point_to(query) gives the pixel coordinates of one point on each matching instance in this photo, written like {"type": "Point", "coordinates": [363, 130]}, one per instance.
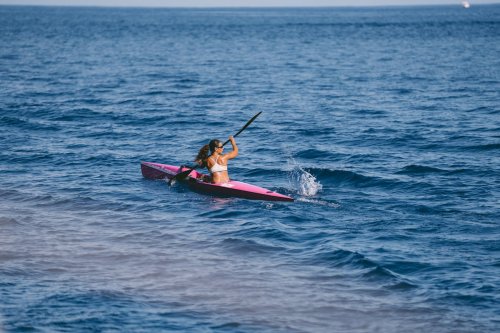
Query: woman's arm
{"type": "Point", "coordinates": [234, 153]}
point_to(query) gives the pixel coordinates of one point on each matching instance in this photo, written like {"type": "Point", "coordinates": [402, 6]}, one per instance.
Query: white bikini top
{"type": "Point", "coordinates": [218, 167]}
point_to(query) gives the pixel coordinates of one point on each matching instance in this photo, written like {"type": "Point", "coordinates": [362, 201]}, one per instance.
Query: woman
{"type": "Point", "coordinates": [216, 162]}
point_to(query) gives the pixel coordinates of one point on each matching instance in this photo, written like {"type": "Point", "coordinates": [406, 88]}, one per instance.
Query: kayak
{"type": "Point", "coordinates": [196, 182]}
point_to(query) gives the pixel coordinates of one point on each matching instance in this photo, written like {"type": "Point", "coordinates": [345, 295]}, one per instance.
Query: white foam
{"type": "Point", "coordinates": [319, 202]}
{"type": "Point", "coordinates": [303, 182]}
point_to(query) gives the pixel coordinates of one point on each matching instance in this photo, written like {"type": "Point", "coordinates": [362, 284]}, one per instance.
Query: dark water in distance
{"type": "Point", "coordinates": [383, 123]}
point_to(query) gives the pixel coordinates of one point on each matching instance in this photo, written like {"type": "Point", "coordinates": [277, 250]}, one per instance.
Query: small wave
{"type": "Point", "coordinates": [78, 114]}
{"type": "Point", "coordinates": [313, 154]}
{"type": "Point", "coordinates": [11, 194]}
{"type": "Point", "coordinates": [403, 91]}
{"type": "Point", "coordinates": [341, 176]}
{"type": "Point", "coordinates": [248, 246]}
{"type": "Point", "coordinates": [340, 258]}
{"type": "Point", "coordinates": [155, 93]}
{"type": "Point", "coordinates": [271, 234]}
{"type": "Point", "coordinates": [257, 172]}
{"type": "Point", "coordinates": [363, 267]}
{"type": "Point", "coordinates": [419, 169]}
{"type": "Point", "coordinates": [402, 286]}
{"type": "Point", "coordinates": [308, 181]}
{"type": "Point", "coordinates": [6, 120]}
{"type": "Point", "coordinates": [319, 202]}
{"type": "Point", "coordinates": [92, 101]}
{"type": "Point", "coordinates": [128, 101]}
{"type": "Point", "coordinates": [370, 112]}
{"type": "Point", "coordinates": [377, 272]}
{"type": "Point", "coordinates": [309, 132]}
{"type": "Point", "coordinates": [188, 80]}
{"type": "Point", "coordinates": [227, 326]}
{"type": "Point", "coordinates": [478, 109]}
{"type": "Point", "coordinates": [35, 157]}
{"type": "Point", "coordinates": [10, 57]}
{"type": "Point", "coordinates": [4, 221]}
{"type": "Point", "coordinates": [28, 124]}
{"type": "Point", "coordinates": [220, 214]}
{"type": "Point", "coordinates": [86, 297]}
{"type": "Point", "coordinates": [485, 147]}
{"type": "Point", "coordinates": [18, 272]}
{"type": "Point", "coordinates": [347, 176]}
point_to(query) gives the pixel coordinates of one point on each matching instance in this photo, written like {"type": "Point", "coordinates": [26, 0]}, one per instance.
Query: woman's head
{"type": "Point", "coordinates": [214, 145]}
{"type": "Point", "coordinates": [203, 154]}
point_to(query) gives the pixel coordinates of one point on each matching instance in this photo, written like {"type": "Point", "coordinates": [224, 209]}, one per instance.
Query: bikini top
{"type": "Point", "coordinates": [217, 167]}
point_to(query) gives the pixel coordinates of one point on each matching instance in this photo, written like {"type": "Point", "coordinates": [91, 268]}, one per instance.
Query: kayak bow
{"type": "Point", "coordinates": [195, 182]}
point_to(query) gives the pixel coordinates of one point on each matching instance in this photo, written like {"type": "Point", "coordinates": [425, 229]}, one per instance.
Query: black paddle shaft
{"type": "Point", "coordinates": [243, 128]}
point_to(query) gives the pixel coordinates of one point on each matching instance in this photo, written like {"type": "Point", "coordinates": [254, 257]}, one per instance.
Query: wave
{"type": "Point", "coordinates": [29, 157]}
{"type": "Point", "coordinates": [158, 93]}
{"type": "Point", "coordinates": [10, 194]}
{"type": "Point", "coordinates": [6, 120]}
{"type": "Point", "coordinates": [370, 112]}
{"type": "Point", "coordinates": [419, 169]}
{"type": "Point", "coordinates": [10, 57]}
{"type": "Point", "coordinates": [314, 154]}
{"type": "Point", "coordinates": [5, 221]}
{"type": "Point", "coordinates": [319, 202]}
{"type": "Point", "coordinates": [245, 246]}
{"type": "Point", "coordinates": [79, 114]}
{"type": "Point", "coordinates": [346, 177]}
{"type": "Point", "coordinates": [66, 202]}
{"type": "Point", "coordinates": [316, 132]}
{"type": "Point", "coordinates": [352, 261]}
{"type": "Point", "coordinates": [485, 147]}
{"type": "Point", "coordinates": [220, 214]}
{"type": "Point", "coordinates": [415, 169]}
{"type": "Point", "coordinates": [309, 182]}
{"type": "Point", "coordinates": [271, 234]}
{"type": "Point", "coordinates": [17, 272]}
{"type": "Point", "coordinates": [28, 124]}
{"type": "Point", "coordinates": [87, 101]}
{"type": "Point", "coordinates": [363, 268]}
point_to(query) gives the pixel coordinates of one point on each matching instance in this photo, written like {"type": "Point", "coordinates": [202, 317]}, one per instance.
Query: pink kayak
{"type": "Point", "coordinates": [195, 181]}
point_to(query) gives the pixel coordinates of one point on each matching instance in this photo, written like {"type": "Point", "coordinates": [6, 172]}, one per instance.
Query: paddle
{"type": "Point", "coordinates": [184, 174]}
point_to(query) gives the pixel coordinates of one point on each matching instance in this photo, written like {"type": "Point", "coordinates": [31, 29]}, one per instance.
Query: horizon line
{"type": "Point", "coordinates": [243, 6]}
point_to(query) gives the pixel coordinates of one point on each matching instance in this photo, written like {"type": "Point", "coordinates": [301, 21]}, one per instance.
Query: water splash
{"type": "Point", "coordinates": [319, 202]}
{"type": "Point", "coordinates": [304, 182]}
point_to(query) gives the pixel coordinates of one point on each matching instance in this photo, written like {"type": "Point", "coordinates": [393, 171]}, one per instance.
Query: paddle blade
{"type": "Point", "coordinates": [180, 176]}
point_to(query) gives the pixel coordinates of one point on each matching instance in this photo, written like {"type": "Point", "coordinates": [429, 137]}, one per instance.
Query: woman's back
{"type": "Point", "coordinates": [217, 162]}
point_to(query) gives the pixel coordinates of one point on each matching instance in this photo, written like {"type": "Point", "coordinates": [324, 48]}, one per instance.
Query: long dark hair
{"type": "Point", "coordinates": [214, 144]}
{"type": "Point", "coordinates": [206, 151]}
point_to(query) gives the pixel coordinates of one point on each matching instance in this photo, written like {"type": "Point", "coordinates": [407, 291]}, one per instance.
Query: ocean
{"type": "Point", "coordinates": [382, 123]}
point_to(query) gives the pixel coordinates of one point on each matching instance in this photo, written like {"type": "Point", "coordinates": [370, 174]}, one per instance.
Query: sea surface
{"type": "Point", "coordinates": [382, 123]}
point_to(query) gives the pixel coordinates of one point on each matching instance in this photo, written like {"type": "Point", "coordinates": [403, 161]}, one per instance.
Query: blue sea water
{"type": "Point", "coordinates": [383, 124]}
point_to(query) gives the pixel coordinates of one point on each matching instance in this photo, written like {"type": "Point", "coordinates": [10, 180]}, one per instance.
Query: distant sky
{"type": "Point", "coordinates": [238, 3]}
